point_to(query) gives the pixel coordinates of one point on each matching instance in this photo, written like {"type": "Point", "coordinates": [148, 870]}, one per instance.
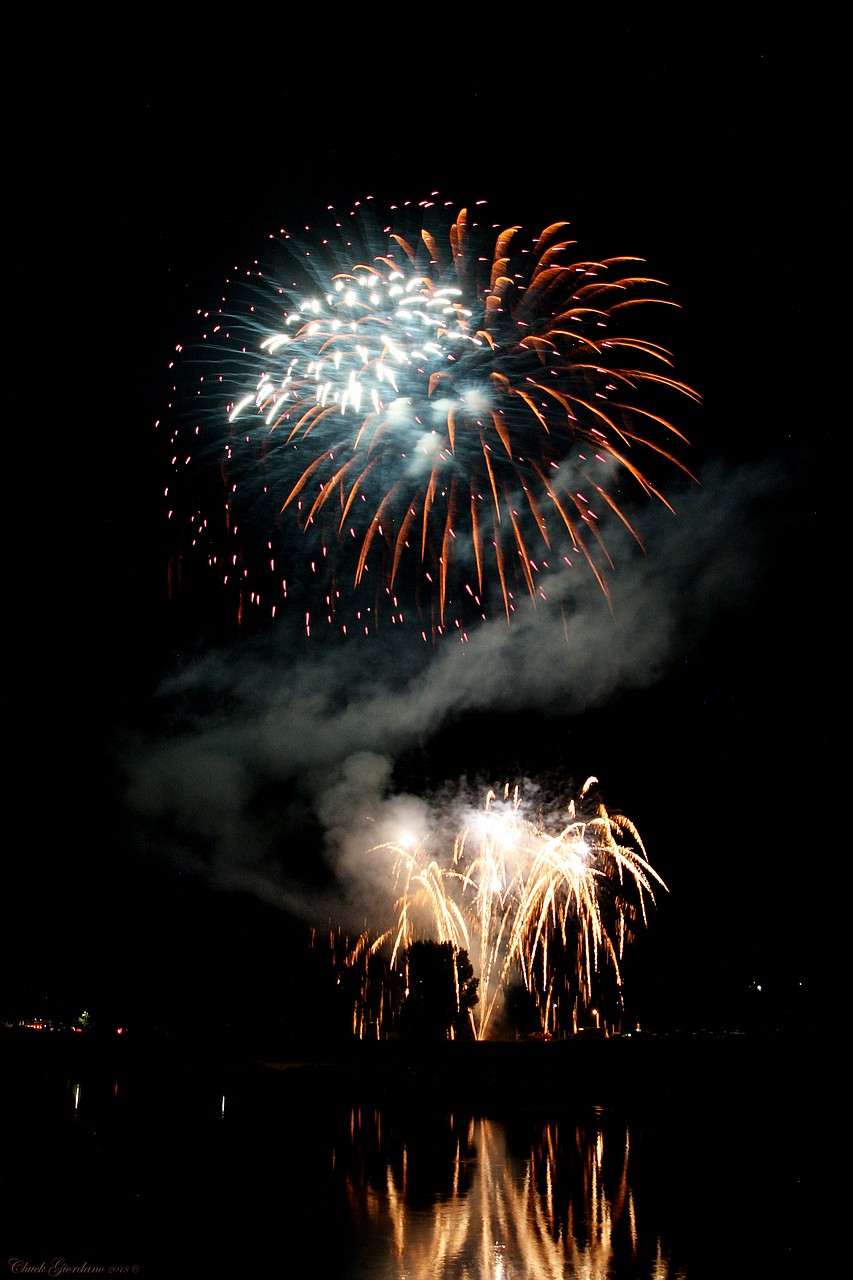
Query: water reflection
{"type": "Point", "coordinates": [492, 1200]}
{"type": "Point", "coordinates": [251, 1170]}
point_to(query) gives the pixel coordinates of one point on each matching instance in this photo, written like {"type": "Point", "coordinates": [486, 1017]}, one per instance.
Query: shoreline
{"type": "Point", "coordinates": [730, 1069]}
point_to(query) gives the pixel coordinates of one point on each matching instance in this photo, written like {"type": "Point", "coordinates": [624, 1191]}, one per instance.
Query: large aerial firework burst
{"type": "Point", "coordinates": [546, 900]}
{"type": "Point", "coordinates": [430, 420]}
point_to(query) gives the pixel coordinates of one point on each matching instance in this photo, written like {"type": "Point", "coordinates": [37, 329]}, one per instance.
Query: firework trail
{"type": "Point", "coordinates": [551, 909]}
{"type": "Point", "coordinates": [429, 419]}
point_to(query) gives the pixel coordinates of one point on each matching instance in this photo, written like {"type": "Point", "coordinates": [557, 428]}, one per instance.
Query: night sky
{"type": "Point", "coordinates": [174, 806]}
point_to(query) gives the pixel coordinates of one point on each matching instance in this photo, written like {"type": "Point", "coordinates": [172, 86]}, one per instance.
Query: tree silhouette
{"type": "Point", "coordinates": [440, 992]}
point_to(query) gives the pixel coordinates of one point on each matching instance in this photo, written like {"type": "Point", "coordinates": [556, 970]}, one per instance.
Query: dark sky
{"type": "Point", "coordinates": [704, 708]}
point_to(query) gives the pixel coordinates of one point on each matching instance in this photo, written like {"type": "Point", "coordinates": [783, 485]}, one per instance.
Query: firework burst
{"type": "Point", "coordinates": [429, 421]}
{"type": "Point", "coordinates": [551, 908]}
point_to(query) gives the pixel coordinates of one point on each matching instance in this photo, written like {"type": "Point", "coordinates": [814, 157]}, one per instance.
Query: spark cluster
{"type": "Point", "coordinates": [430, 419]}
{"type": "Point", "coordinates": [552, 908]}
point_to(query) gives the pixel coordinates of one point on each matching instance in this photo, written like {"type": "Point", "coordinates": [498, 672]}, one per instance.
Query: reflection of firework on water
{"type": "Point", "coordinates": [448, 414]}
{"type": "Point", "coordinates": [552, 910]}
{"type": "Point", "coordinates": [560, 1204]}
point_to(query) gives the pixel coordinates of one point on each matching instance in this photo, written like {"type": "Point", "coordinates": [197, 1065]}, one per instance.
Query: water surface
{"type": "Point", "coordinates": [299, 1168]}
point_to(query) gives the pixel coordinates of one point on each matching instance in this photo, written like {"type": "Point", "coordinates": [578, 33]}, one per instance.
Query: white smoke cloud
{"type": "Point", "coordinates": [258, 745]}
